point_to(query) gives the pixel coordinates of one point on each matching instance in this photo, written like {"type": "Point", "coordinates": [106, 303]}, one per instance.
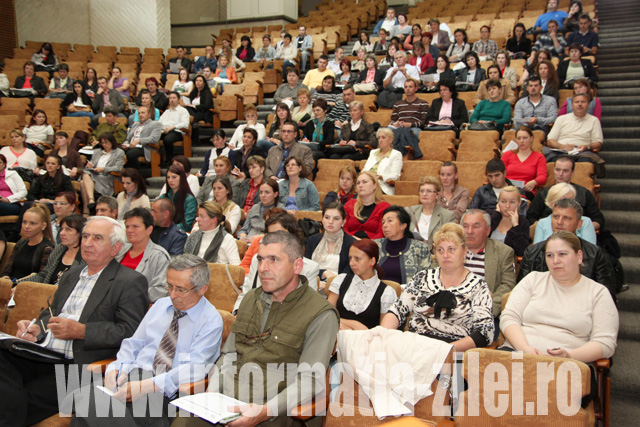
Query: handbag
{"type": "Point", "coordinates": [492, 125]}
{"type": "Point", "coordinates": [309, 226]}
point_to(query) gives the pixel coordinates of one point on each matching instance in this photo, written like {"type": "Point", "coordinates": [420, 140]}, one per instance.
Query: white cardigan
{"type": "Point", "coordinates": [16, 185]}
{"type": "Point", "coordinates": [390, 168]}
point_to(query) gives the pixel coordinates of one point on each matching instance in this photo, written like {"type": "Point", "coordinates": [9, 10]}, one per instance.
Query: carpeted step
{"type": "Point", "coordinates": [620, 185]}
{"type": "Point", "coordinates": [629, 325]}
{"type": "Point", "coordinates": [630, 247]}
{"type": "Point", "coordinates": [629, 74]}
{"type": "Point", "coordinates": [610, 110]}
{"type": "Point", "coordinates": [621, 221]}
{"type": "Point", "coordinates": [200, 151]}
{"type": "Point", "coordinates": [622, 201]}
{"type": "Point", "coordinates": [629, 300]}
{"type": "Point", "coordinates": [622, 171]}
{"type": "Point", "coordinates": [610, 98]}
{"type": "Point", "coordinates": [620, 132]}
{"type": "Point", "coordinates": [631, 267]}
{"type": "Point", "coordinates": [616, 121]}
{"type": "Point", "coordinates": [604, 63]}
{"type": "Point", "coordinates": [624, 371]}
{"type": "Point", "coordinates": [619, 91]}
{"type": "Point", "coordinates": [620, 84]}
{"type": "Point", "coordinates": [625, 410]}
{"type": "Point", "coordinates": [616, 68]}
{"type": "Point", "coordinates": [621, 144]}
{"type": "Point", "coordinates": [621, 157]}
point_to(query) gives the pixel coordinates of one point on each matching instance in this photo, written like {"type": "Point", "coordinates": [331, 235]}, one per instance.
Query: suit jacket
{"type": "Point", "coordinates": [587, 67]}
{"type": "Point", "coordinates": [517, 237]}
{"type": "Point", "coordinates": [173, 240]}
{"type": "Point", "coordinates": [275, 157]}
{"type": "Point", "coordinates": [378, 78]}
{"type": "Point", "coordinates": [439, 217]}
{"type": "Point", "coordinates": [112, 312]}
{"type": "Point", "coordinates": [150, 134]}
{"type": "Point", "coordinates": [499, 271]}
{"type": "Point", "coordinates": [237, 158]}
{"type": "Point", "coordinates": [37, 83]}
{"type": "Point", "coordinates": [480, 75]}
{"type": "Point", "coordinates": [347, 241]}
{"type": "Point", "coordinates": [104, 180]}
{"type": "Point", "coordinates": [443, 40]}
{"type": "Point", "coordinates": [459, 112]}
{"type": "Point", "coordinates": [114, 97]}
{"type": "Point", "coordinates": [364, 135]}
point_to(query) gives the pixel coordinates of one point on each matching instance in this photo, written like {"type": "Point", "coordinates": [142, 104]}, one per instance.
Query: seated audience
{"type": "Point", "coordinates": [65, 255]}
{"type": "Point", "coordinates": [427, 217]}
{"type": "Point", "coordinates": [330, 249]}
{"type": "Point", "coordinates": [134, 194]}
{"type": "Point", "coordinates": [346, 187]}
{"type": "Point", "coordinates": [245, 51]}
{"type": "Point", "coordinates": [319, 132]}
{"type": "Point", "coordinates": [416, 34]}
{"type": "Point", "coordinates": [519, 45]}
{"type": "Point", "coordinates": [571, 23]}
{"type": "Point", "coordinates": [30, 81]}
{"type": "Point", "coordinates": [31, 253]}
{"type": "Point", "coordinates": [396, 77]}
{"type": "Point", "coordinates": [401, 29]}
{"type": "Point", "coordinates": [449, 302]}
{"type": "Point", "coordinates": [473, 74]}
{"type": "Point", "coordinates": [551, 40]}
{"type": "Point", "coordinates": [142, 255]}
{"type": "Point", "coordinates": [566, 216]}
{"type": "Point", "coordinates": [119, 83]}
{"type": "Point", "coordinates": [145, 101]}
{"type": "Point", "coordinates": [382, 44]}
{"type": "Point", "coordinates": [448, 110]}
{"type": "Point", "coordinates": [579, 131]}
{"type": "Point", "coordinates": [71, 160]}
{"type": "Point", "coordinates": [97, 178]}
{"type": "Point", "coordinates": [535, 110]}
{"type": "Point", "coordinates": [296, 192]}
{"type": "Point", "coordinates": [200, 103]}
{"type": "Point", "coordinates": [45, 187]}
{"type": "Point", "coordinates": [364, 212]}
{"type": "Point", "coordinates": [107, 206]}
{"type": "Point", "coordinates": [557, 192]}
{"type": "Point", "coordinates": [452, 196]}
{"type": "Point", "coordinates": [266, 53]}
{"type": "Point", "coordinates": [388, 22]}
{"type": "Point", "coordinates": [206, 60]}
{"type": "Point", "coordinates": [338, 56]}
{"type": "Point", "coordinates": [505, 92]}
{"type": "Point", "coordinates": [222, 167]}
{"type": "Point", "coordinates": [165, 232]}
{"type": "Point", "coordinates": [507, 225]}
{"type": "Point", "coordinates": [313, 79]}
{"type": "Point", "coordinates": [357, 66]}
{"type": "Point", "coordinates": [552, 14]}
{"type": "Point", "coordinates": [427, 41]}
{"type": "Point", "coordinates": [440, 37]}
{"type": "Point", "coordinates": [401, 256]}
{"type": "Point", "coordinates": [339, 113]}
{"type": "Point", "coordinates": [63, 205]}
{"type": "Point", "coordinates": [12, 189]}
{"type": "Point", "coordinates": [575, 68]}
{"type": "Point", "coordinates": [356, 136]}
{"type": "Point", "coordinates": [17, 154]}
{"type": "Point", "coordinates": [494, 108]}
{"type": "Point", "coordinates": [289, 147]}
{"type": "Point", "coordinates": [582, 86]}
{"type": "Point", "coordinates": [248, 191]}
{"type": "Point", "coordinates": [251, 116]}
{"type": "Point", "coordinates": [38, 132]}
{"type": "Point", "coordinates": [288, 91]}
{"type": "Point", "coordinates": [45, 58]}
{"type": "Point", "coordinates": [223, 195]}
{"type": "Point", "coordinates": [441, 71]}
{"type": "Point", "coordinates": [183, 85]}
{"type": "Point", "coordinates": [561, 312]}
{"type": "Point", "coordinates": [507, 72]}
{"type": "Point", "coordinates": [254, 224]}
{"type": "Point", "coordinates": [360, 297]}
{"type": "Point", "coordinates": [192, 180]}
{"type": "Point", "coordinates": [91, 82]}
{"type": "Point", "coordinates": [77, 103]}
{"type": "Point", "coordinates": [175, 120]}
{"type": "Point", "coordinates": [371, 79]}
{"type": "Point", "coordinates": [421, 58]}
{"type": "Point", "coordinates": [563, 170]}
{"type": "Point", "coordinates": [105, 97]}
{"type": "Point", "coordinates": [220, 149]}
{"type": "Point", "coordinates": [328, 91]}
{"type": "Point", "coordinates": [180, 60]}
{"type": "Point", "coordinates": [111, 125]}
{"type": "Point", "coordinates": [486, 197]}
{"type": "Point", "coordinates": [180, 194]}
{"type": "Point", "coordinates": [486, 48]}
{"type": "Point", "coordinates": [588, 39]}
{"type": "Point", "coordinates": [460, 47]}
{"type": "Point", "coordinates": [304, 44]}
{"type": "Point", "coordinates": [247, 150]}
{"type": "Point", "coordinates": [213, 241]}
{"type": "Point", "coordinates": [525, 165]}
{"type": "Point", "coordinates": [362, 43]}
{"type": "Point", "coordinates": [301, 114]}
{"type": "Point", "coordinates": [288, 52]}
{"type": "Point", "coordinates": [384, 162]}
{"type": "Point", "coordinates": [411, 111]}
{"type": "Point", "coordinates": [140, 135]}
{"type": "Point", "coordinates": [159, 98]}
{"type": "Point", "coordinates": [283, 115]}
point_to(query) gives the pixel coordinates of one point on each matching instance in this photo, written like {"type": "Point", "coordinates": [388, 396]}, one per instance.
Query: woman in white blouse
{"type": "Point", "coordinates": [251, 116]}
{"type": "Point", "coordinates": [213, 241]}
{"type": "Point", "coordinates": [361, 298]}
{"type": "Point", "coordinates": [183, 85]}
{"type": "Point", "coordinates": [17, 154]}
{"type": "Point", "coordinates": [561, 312]}
{"type": "Point", "coordinates": [385, 162]}
{"type": "Point", "coordinates": [38, 132]}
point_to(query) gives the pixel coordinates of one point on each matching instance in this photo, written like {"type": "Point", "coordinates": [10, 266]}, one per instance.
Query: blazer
{"type": "Point", "coordinates": [46, 275]}
{"type": "Point", "coordinates": [443, 40]}
{"type": "Point", "coordinates": [37, 83]}
{"type": "Point", "coordinates": [153, 266]}
{"type": "Point", "coordinates": [237, 159]}
{"type": "Point", "coordinates": [240, 196]}
{"type": "Point", "coordinates": [343, 266]}
{"type": "Point", "coordinates": [114, 97]}
{"type": "Point", "coordinates": [439, 217]}
{"type": "Point", "coordinates": [378, 78]}
{"type": "Point", "coordinates": [104, 180]}
{"type": "Point", "coordinates": [150, 134]}
{"type": "Point", "coordinates": [140, 202]}
{"type": "Point", "coordinates": [112, 312]}
{"type": "Point", "coordinates": [499, 271]}
{"type": "Point", "coordinates": [459, 112]}
{"type": "Point", "coordinates": [390, 168]}
{"type": "Point", "coordinates": [426, 63]}
{"type": "Point", "coordinates": [16, 185]}
{"type": "Point", "coordinates": [45, 188]}
{"type": "Point", "coordinates": [481, 75]}
{"type": "Point", "coordinates": [517, 238]}
{"type": "Point", "coordinates": [447, 74]}
{"type": "Point", "coordinates": [251, 53]}
{"type": "Point", "coordinates": [587, 68]}
{"type": "Point", "coordinates": [364, 135]}
{"type": "Point", "coordinates": [71, 98]}
{"type": "Point", "coordinates": [328, 130]}
{"type": "Point", "coordinates": [275, 157]}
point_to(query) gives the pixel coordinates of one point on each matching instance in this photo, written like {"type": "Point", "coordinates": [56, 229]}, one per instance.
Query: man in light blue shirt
{"type": "Point", "coordinates": [177, 342]}
{"type": "Point", "coordinates": [552, 13]}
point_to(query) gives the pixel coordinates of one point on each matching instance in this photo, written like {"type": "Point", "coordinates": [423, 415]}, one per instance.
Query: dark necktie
{"type": "Point", "coordinates": [167, 349]}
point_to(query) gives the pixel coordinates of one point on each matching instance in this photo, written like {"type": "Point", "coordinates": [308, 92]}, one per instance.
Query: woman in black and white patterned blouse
{"type": "Point", "coordinates": [448, 303]}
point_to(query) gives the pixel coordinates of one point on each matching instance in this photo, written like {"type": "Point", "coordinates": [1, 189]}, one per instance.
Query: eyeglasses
{"type": "Point", "coordinates": [60, 203]}
{"type": "Point", "coordinates": [427, 191]}
{"type": "Point", "coordinates": [287, 131]}
{"type": "Point", "coordinates": [170, 288]}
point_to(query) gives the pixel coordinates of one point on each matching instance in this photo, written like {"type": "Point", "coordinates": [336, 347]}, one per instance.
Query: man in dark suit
{"type": "Point", "coordinates": [93, 310]}
{"type": "Point", "coordinates": [141, 134]}
{"type": "Point", "coordinates": [103, 98]}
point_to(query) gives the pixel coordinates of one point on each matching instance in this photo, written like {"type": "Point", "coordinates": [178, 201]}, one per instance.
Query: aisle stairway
{"type": "Point", "coordinates": [619, 92]}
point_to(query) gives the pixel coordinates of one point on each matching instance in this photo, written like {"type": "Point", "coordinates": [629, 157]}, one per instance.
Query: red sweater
{"type": "Point", "coordinates": [372, 226]}
{"type": "Point", "coordinates": [534, 167]}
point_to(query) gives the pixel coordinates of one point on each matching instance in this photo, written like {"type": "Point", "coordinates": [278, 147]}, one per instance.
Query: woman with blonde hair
{"type": "Point", "coordinates": [17, 153]}
{"type": "Point", "coordinates": [427, 217]}
{"type": "Point", "coordinates": [213, 241]}
{"type": "Point", "coordinates": [507, 226]}
{"type": "Point", "coordinates": [384, 161]}
{"type": "Point", "coordinates": [364, 213]}
{"type": "Point", "coordinates": [544, 227]}
{"type": "Point", "coordinates": [346, 187]}
{"type": "Point", "coordinates": [449, 302]}
{"type": "Point", "coordinates": [31, 253]}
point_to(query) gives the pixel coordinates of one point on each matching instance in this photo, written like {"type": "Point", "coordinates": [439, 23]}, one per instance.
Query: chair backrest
{"type": "Point", "coordinates": [15, 104]}
{"type": "Point", "coordinates": [30, 298]}
{"type": "Point", "coordinates": [9, 122]}
{"type": "Point", "coordinates": [8, 250]}
{"type": "Point", "coordinates": [582, 175]}
{"type": "Point", "coordinates": [242, 247]}
{"type": "Point", "coordinates": [227, 322]}
{"type": "Point", "coordinates": [314, 215]}
{"type": "Point", "coordinates": [560, 383]}
{"type": "Point", "coordinates": [416, 169]}
{"type": "Point", "coordinates": [381, 116]}
{"type": "Point", "coordinates": [221, 293]}
{"type": "Point", "coordinates": [471, 175]}
{"type": "Point", "coordinates": [328, 169]}
{"type": "Point", "coordinates": [403, 201]}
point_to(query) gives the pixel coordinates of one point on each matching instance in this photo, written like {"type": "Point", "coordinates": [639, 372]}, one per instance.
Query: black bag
{"type": "Point", "coordinates": [309, 226]}
{"type": "Point", "coordinates": [27, 175]}
{"type": "Point", "coordinates": [492, 125]}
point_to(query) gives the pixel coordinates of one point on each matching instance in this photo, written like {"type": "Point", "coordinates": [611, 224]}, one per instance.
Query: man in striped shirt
{"type": "Point", "coordinates": [410, 112]}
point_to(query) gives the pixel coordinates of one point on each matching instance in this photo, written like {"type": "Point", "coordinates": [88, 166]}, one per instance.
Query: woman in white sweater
{"type": "Point", "coordinates": [17, 154]}
{"type": "Point", "coordinates": [213, 241]}
{"type": "Point", "coordinates": [561, 312]}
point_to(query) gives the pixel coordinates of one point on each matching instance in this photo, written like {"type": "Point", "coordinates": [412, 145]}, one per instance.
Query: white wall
{"type": "Point", "coordinates": [136, 23]}
{"type": "Point", "coordinates": [245, 9]}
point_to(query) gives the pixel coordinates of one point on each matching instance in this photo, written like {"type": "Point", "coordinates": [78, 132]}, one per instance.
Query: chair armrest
{"type": "Point", "coordinates": [100, 366]}
{"type": "Point", "coordinates": [192, 388]}
{"type": "Point", "coordinates": [603, 364]}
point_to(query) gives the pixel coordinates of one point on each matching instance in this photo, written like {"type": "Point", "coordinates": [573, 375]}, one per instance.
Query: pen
{"type": "Point", "coordinates": [117, 378]}
{"type": "Point", "coordinates": [30, 324]}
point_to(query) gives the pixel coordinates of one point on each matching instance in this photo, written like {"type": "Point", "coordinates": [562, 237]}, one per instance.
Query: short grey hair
{"type": "Point", "coordinates": [401, 53]}
{"type": "Point", "coordinates": [386, 131]}
{"type": "Point", "coordinates": [570, 203]}
{"type": "Point", "coordinates": [200, 274]}
{"type": "Point", "coordinates": [118, 233]}
{"type": "Point", "coordinates": [586, 95]}
{"type": "Point", "coordinates": [109, 201]}
{"type": "Point", "coordinates": [485, 215]}
{"type": "Point", "coordinates": [291, 244]}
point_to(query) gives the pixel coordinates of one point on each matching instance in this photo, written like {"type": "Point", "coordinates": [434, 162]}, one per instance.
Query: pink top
{"type": "Point", "coordinates": [371, 74]}
{"type": "Point", "coordinates": [533, 167]}
{"type": "Point", "coordinates": [27, 83]}
{"type": "Point", "coordinates": [446, 109]}
{"type": "Point", "coordinates": [15, 153]}
{"type": "Point", "coordinates": [5, 191]}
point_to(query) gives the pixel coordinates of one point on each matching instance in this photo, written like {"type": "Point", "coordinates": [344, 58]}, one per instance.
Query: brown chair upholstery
{"type": "Point", "coordinates": [9, 122]}
{"type": "Point", "coordinates": [369, 102]}
{"type": "Point", "coordinates": [477, 361]}
{"type": "Point", "coordinates": [381, 116]}
{"type": "Point", "coordinates": [437, 145]}
{"type": "Point", "coordinates": [468, 153]}
{"type": "Point", "coordinates": [471, 175]}
{"type": "Point", "coordinates": [221, 292]}
{"type": "Point", "coordinates": [328, 169]}
{"type": "Point", "coordinates": [407, 188]}
{"type": "Point", "coordinates": [242, 247]}
{"type": "Point", "coordinates": [8, 250]}
{"type": "Point", "coordinates": [416, 169]}
{"type": "Point", "coordinates": [582, 175]}
{"type": "Point", "coordinates": [403, 201]}
{"type": "Point", "coordinates": [538, 138]}
{"type": "Point", "coordinates": [314, 215]}
{"type": "Point", "coordinates": [5, 297]}
{"type": "Point", "coordinates": [30, 298]}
